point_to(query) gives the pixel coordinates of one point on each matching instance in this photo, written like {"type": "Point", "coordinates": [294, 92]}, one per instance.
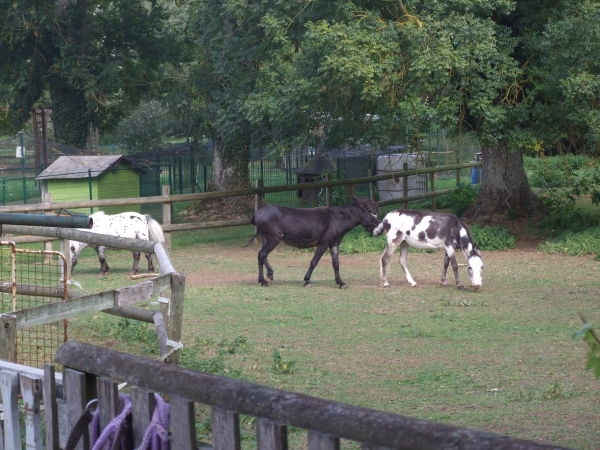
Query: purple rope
{"type": "Point", "coordinates": [157, 433]}
{"type": "Point", "coordinates": [108, 435]}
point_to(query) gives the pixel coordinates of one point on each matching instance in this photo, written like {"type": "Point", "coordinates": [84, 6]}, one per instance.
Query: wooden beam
{"type": "Point", "coordinates": [8, 329]}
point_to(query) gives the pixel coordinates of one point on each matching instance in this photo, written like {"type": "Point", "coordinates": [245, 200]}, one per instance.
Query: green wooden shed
{"type": "Point", "coordinates": [77, 178]}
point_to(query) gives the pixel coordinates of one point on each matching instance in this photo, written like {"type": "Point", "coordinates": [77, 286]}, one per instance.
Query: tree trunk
{"type": "Point", "coordinates": [505, 191]}
{"type": "Point", "coordinates": [230, 165]}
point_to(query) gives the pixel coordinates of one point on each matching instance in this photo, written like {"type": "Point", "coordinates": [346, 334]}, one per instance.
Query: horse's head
{"type": "Point", "coordinates": [369, 213]}
{"type": "Point", "coordinates": [475, 269]}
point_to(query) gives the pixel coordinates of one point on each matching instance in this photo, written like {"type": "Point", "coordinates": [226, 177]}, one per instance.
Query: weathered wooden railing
{"type": "Point", "coordinates": [93, 372]}
{"type": "Point", "coordinates": [118, 301]}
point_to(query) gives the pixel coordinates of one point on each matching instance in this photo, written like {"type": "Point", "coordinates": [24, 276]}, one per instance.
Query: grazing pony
{"type": "Point", "coordinates": [428, 230]}
{"type": "Point", "coordinates": [129, 225]}
{"type": "Point", "coordinates": [322, 227]}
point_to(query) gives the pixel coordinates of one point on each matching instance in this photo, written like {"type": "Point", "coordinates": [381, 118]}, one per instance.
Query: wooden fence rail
{"type": "Point", "coordinates": [326, 421]}
{"type": "Point", "coordinates": [233, 193]}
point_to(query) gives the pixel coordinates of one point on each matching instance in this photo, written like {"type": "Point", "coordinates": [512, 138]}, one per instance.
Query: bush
{"type": "Point", "coordinates": [147, 128]}
{"type": "Point", "coordinates": [585, 242]}
{"type": "Point", "coordinates": [557, 223]}
{"type": "Point", "coordinates": [491, 238]}
{"type": "Point", "coordinates": [459, 200]}
{"type": "Point", "coordinates": [360, 240]}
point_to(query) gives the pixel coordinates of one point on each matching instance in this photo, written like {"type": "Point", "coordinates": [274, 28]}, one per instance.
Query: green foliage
{"type": "Point", "coordinates": [360, 240]}
{"type": "Point", "coordinates": [587, 333]}
{"type": "Point", "coordinates": [577, 220]}
{"type": "Point", "coordinates": [339, 194]}
{"type": "Point", "coordinates": [282, 365]}
{"type": "Point", "coordinates": [145, 129]}
{"type": "Point", "coordinates": [586, 242]}
{"type": "Point", "coordinates": [460, 200]}
{"type": "Point", "coordinates": [491, 238]}
{"type": "Point", "coordinates": [126, 330]}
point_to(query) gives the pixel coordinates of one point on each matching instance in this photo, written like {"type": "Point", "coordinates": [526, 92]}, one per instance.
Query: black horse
{"type": "Point", "coordinates": [322, 227]}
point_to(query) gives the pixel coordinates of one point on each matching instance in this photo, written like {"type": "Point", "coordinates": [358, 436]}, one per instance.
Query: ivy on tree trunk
{"type": "Point", "coordinates": [505, 191]}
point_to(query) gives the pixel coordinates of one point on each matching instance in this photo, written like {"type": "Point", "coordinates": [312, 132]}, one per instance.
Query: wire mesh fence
{"type": "Point", "coordinates": [31, 278]}
{"type": "Point", "coordinates": [187, 171]}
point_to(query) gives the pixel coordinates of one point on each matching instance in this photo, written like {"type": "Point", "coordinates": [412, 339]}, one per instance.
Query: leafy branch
{"type": "Point", "coordinates": [587, 333]}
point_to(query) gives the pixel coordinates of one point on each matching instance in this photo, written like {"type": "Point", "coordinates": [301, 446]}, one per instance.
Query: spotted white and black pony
{"type": "Point", "coordinates": [129, 225]}
{"type": "Point", "coordinates": [429, 230]}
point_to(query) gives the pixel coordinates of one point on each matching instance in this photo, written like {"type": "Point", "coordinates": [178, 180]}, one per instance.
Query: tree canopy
{"type": "Point", "coordinates": [91, 58]}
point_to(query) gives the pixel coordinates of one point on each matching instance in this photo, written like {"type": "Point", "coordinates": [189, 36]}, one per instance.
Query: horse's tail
{"type": "Point", "coordinates": [155, 230]}
{"type": "Point", "coordinates": [252, 221]}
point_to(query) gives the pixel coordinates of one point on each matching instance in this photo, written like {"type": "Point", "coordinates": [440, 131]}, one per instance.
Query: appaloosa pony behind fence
{"type": "Point", "coordinates": [129, 225]}
{"type": "Point", "coordinates": [322, 227]}
{"type": "Point", "coordinates": [428, 230]}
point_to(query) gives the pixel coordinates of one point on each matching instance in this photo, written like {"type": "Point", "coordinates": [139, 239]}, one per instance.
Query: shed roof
{"type": "Point", "coordinates": [78, 166]}
{"type": "Point", "coordinates": [316, 165]}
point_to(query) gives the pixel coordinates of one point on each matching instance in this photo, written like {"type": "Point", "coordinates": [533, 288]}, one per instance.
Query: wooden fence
{"type": "Point", "coordinates": [93, 373]}
{"type": "Point", "coordinates": [166, 199]}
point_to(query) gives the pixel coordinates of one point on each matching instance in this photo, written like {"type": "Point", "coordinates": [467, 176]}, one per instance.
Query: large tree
{"type": "Point", "coordinates": [326, 73]}
{"type": "Point", "coordinates": [93, 57]}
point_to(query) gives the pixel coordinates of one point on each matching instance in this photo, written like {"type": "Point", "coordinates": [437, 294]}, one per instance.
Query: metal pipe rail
{"type": "Point", "coordinates": [134, 245]}
{"type": "Point", "coordinates": [328, 418]}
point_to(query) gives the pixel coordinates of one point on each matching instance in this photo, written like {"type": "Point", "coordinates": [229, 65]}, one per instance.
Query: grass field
{"type": "Point", "coordinates": [500, 360]}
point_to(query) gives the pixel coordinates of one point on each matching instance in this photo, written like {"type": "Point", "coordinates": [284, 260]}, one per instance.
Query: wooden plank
{"type": "Point", "coordinates": [142, 407]}
{"type": "Point", "coordinates": [164, 264]}
{"type": "Point", "coordinates": [33, 289]}
{"type": "Point", "coordinates": [50, 408]}
{"type": "Point", "coordinates": [31, 390]}
{"type": "Point", "coordinates": [133, 294]}
{"type": "Point", "coordinates": [166, 217]}
{"type": "Point", "coordinates": [174, 327]}
{"type": "Point", "coordinates": [367, 446]}
{"type": "Point", "coordinates": [53, 312]}
{"type": "Point", "coordinates": [76, 393]}
{"type": "Point", "coordinates": [320, 441]}
{"type": "Point", "coordinates": [225, 429]}
{"type": "Point", "coordinates": [182, 423]}
{"type": "Point", "coordinates": [270, 435]}
{"type": "Point", "coordinates": [21, 369]}
{"type": "Point", "coordinates": [8, 329]}
{"type": "Point", "coordinates": [345, 421]}
{"type": "Point", "coordinates": [9, 387]}
{"type": "Point", "coordinates": [63, 422]}
{"type": "Point", "coordinates": [108, 400]}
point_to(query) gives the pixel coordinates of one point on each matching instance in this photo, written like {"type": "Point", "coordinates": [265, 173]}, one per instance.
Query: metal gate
{"type": "Point", "coordinates": [30, 278]}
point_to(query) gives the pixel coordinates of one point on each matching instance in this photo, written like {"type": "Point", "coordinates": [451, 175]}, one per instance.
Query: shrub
{"type": "Point", "coordinates": [491, 238]}
{"type": "Point", "coordinates": [586, 242]}
{"type": "Point", "coordinates": [459, 200]}
{"type": "Point", "coordinates": [145, 129]}
{"type": "Point", "coordinates": [360, 240]}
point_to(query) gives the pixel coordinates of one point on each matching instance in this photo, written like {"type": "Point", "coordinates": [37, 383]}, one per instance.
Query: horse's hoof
{"type": "Point", "coordinates": [270, 276]}
{"type": "Point", "coordinates": [103, 274]}
{"type": "Point", "coordinates": [264, 284]}
{"type": "Point", "coordinates": [385, 285]}
{"type": "Point", "coordinates": [461, 287]}
{"type": "Point", "coordinates": [307, 285]}
{"type": "Point", "coordinates": [343, 286]}
{"type": "Point", "coordinates": [445, 284]}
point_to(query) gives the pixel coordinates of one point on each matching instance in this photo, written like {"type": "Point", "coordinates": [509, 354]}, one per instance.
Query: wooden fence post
{"type": "Point", "coordinates": [225, 429]}
{"type": "Point", "coordinates": [405, 184]}
{"type": "Point", "coordinates": [65, 249]}
{"type": "Point", "coordinates": [320, 441]}
{"type": "Point", "coordinates": [371, 186]}
{"type": "Point", "coordinates": [258, 203]}
{"type": "Point", "coordinates": [166, 211]}
{"type": "Point", "coordinates": [31, 390]}
{"type": "Point", "coordinates": [142, 408]}
{"type": "Point", "coordinates": [8, 328]}
{"type": "Point", "coordinates": [176, 313]}
{"type": "Point", "coordinates": [270, 435]}
{"type": "Point", "coordinates": [328, 198]}
{"type": "Point", "coordinates": [50, 407]}
{"type": "Point", "coordinates": [48, 246]}
{"type": "Point", "coordinates": [9, 388]}
{"type": "Point", "coordinates": [433, 190]}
